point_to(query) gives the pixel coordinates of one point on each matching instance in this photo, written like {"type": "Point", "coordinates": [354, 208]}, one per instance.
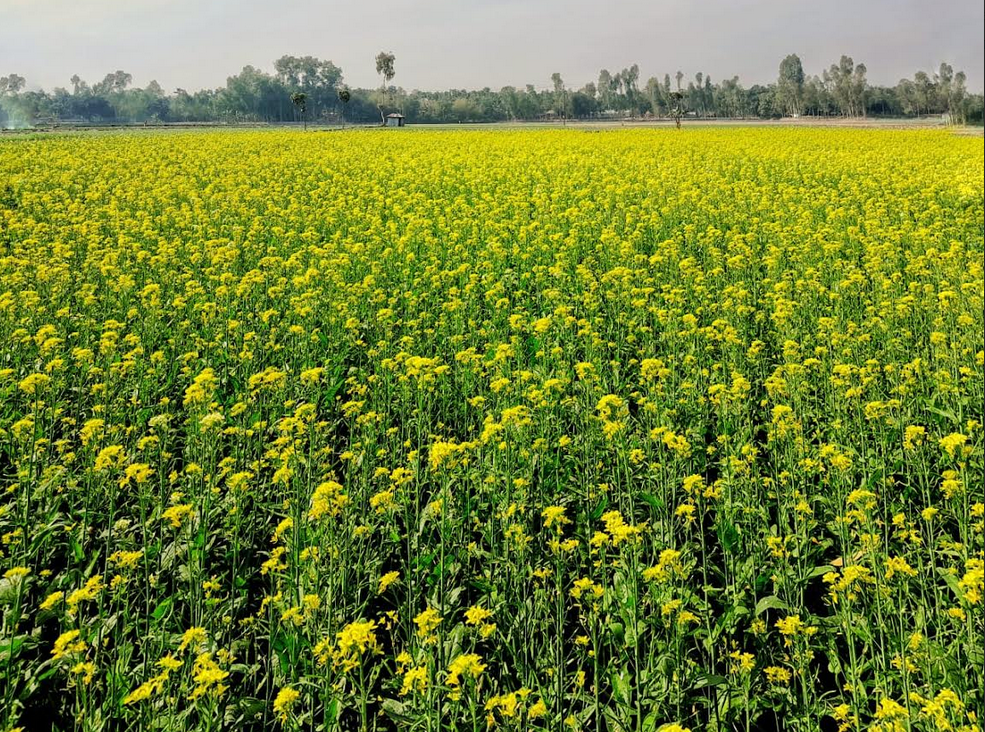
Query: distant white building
{"type": "Point", "coordinates": [395, 119]}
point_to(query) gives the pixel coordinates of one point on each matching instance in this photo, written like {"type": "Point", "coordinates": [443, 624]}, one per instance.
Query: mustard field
{"type": "Point", "coordinates": [632, 431]}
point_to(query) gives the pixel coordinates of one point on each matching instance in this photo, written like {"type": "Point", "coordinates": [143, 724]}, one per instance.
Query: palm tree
{"type": "Point", "coordinates": [677, 106]}
{"type": "Point", "coordinates": [344, 97]}
{"type": "Point", "coordinates": [300, 100]}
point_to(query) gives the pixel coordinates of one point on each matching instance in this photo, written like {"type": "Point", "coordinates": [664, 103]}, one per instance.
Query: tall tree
{"type": "Point", "coordinates": [847, 84]}
{"type": "Point", "coordinates": [583, 103]}
{"type": "Point", "coordinates": [606, 89]}
{"type": "Point", "coordinates": [951, 92]}
{"type": "Point", "coordinates": [318, 79]}
{"type": "Point", "coordinates": [924, 91]}
{"type": "Point", "coordinates": [11, 84]}
{"type": "Point", "coordinates": [630, 79]}
{"type": "Point", "coordinates": [731, 98]}
{"type": "Point", "coordinates": [859, 86]}
{"type": "Point", "coordinates": [959, 91]}
{"type": "Point", "coordinates": [816, 101]}
{"type": "Point", "coordinates": [943, 79]}
{"type": "Point", "coordinates": [655, 95]}
{"type": "Point", "coordinates": [114, 82]}
{"type": "Point", "coordinates": [384, 67]}
{"type": "Point", "coordinates": [790, 85]}
{"type": "Point", "coordinates": [560, 97]}
{"type": "Point", "coordinates": [511, 102]}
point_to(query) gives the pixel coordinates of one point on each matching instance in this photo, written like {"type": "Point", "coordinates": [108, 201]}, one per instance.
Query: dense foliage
{"type": "Point", "coordinates": [256, 96]}
{"type": "Point", "coordinates": [535, 430]}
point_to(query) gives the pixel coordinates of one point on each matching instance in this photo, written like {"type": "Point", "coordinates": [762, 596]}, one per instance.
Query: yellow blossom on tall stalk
{"type": "Point", "coordinates": [554, 516]}
{"type": "Point", "coordinates": [176, 515]}
{"type": "Point", "coordinates": [208, 677]}
{"type": "Point", "coordinates": [427, 621]}
{"type": "Point", "coordinates": [388, 579]}
{"type": "Point", "coordinates": [284, 702]}
{"type": "Point", "coordinates": [15, 574]}
{"type": "Point", "coordinates": [476, 615]}
{"type": "Point", "coordinates": [467, 665]}
{"type": "Point", "coordinates": [68, 644]}
{"type": "Point", "coordinates": [327, 500]}
{"type": "Point", "coordinates": [669, 566]}
{"type": "Point", "coordinates": [953, 443]}
{"type": "Point", "coordinates": [353, 641]}
{"type": "Point", "coordinates": [913, 437]}
{"type": "Point", "coordinates": [847, 584]}
{"type": "Point", "coordinates": [415, 680]}
{"type": "Point", "coordinates": [88, 592]}
{"type": "Point", "coordinates": [617, 528]}
{"type": "Point", "coordinates": [192, 638]}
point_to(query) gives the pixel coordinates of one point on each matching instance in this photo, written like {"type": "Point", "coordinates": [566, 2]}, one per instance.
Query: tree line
{"type": "Point", "coordinates": [257, 96]}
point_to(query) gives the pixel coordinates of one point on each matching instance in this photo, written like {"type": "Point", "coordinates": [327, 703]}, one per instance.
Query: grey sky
{"type": "Point", "coordinates": [441, 44]}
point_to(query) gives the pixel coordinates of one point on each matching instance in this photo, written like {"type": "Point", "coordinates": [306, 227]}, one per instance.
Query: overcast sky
{"type": "Point", "coordinates": [441, 44]}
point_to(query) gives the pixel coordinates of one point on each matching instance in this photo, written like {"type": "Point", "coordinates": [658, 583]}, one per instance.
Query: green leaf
{"type": "Point", "coordinates": [251, 707]}
{"type": "Point", "coordinates": [952, 582]}
{"type": "Point", "coordinates": [705, 679]}
{"type": "Point", "coordinates": [728, 535]}
{"type": "Point", "coordinates": [770, 603]}
{"type": "Point", "coordinates": [946, 414]}
{"type": "Point", "coordinates": [618, 631]}
{"type": "Point", "coordinates": [10, 648]}
{"type": "Point", "coordinates": [395, 710]}
{"type": "Point", "coordinates": [482, 585]}
{"type": "Point", "coordinates": [818, 571]}
{"type": "Point", "coordinates": [650, 722]}
{"type": "Point", "coordinates": [621, 687]}
{"type": "Point", "coordinates": [76, 549]}
{"type": "Point", "coordinates": [600, 509]}
{"type": "Point", "coordinates": [332, 711]}
{"type": "Point", "coordinates": [162, 609]}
